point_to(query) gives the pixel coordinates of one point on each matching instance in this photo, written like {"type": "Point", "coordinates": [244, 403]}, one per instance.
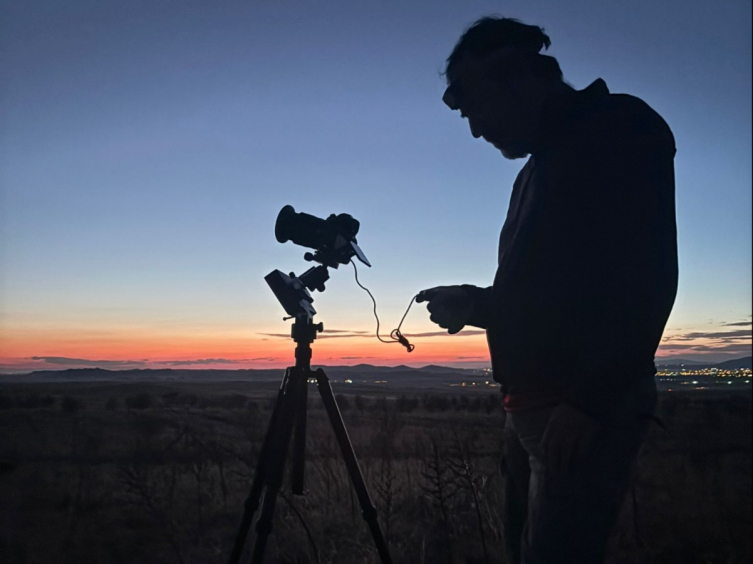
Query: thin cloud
{"type": "Point", "coordinates": [370, 335]}
{"type": "Point", "coordinates": [276, 335]}
{"type": "Point", "coordinates": [731, 347]}
{"type": "Point", "coordinates": [739, 324]}
{"type": "Point", "coordinates": [340, 333]}
{"type": "Point", "coordinates": [725, 348]}
{"type": "Point", "coordinates": [677, 347]}
{"type": "Point", "coordinates": [725, 335]}
{"type": "Point", "coordinates": [355, 357]}
{"type": "Point", "coordinates": [470, 357]}
{"type": "Point", "coordinates": [445, 333]}
{"type": "Point", "coordinates": [348, 336]}
{"type": "Point", "coordinates": [198, 361]}
{"type": "Point", "coordinates": [65, 361]}
{"type": "Point", "coordinates": [321, 336]}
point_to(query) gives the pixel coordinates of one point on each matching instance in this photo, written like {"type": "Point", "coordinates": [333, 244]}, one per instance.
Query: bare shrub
{"type": "Point", "coordinates": [437, 402]}
{"type": "Point", "coordinates": [361, 402]}
{"type": "Point", "coordinates": [467, 478]}
{"type": "Point", "coordinates": [342, 402]}
{"type": "Point", "coordinates": [139, 401]}
{"type": "Point", "coordinates": [71, 405]}
{"type": "Point", "coordinates": [440, 488]}
{"type": "Point", "coordinates": [35, 401]}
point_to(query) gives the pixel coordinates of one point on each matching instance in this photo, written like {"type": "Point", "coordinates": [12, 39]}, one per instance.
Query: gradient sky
{"type": "Point", "coordinates": [147, 146]}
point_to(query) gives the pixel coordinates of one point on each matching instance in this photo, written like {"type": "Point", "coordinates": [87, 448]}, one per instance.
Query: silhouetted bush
{"type": "Point", "coordinates": [29, 401]}
{"type": "Point", "coordinates": [477, 404]}
{"type": "Point", "coordinates": [139, 401]}
{"type": "Point", "coordinates": [342, 402]}
{"type": "Point", "coordinates": [35, 401]}
{"type": "Point", "coordinates": [188, 399]}
{"type": "Point", "coordinates": [169, 399]}
{"type": "Point", "coordinates": [233, 401]}
{"type": "Point", "coordinates": [361, 402]}
{"type": "Point", "coordinates": [111, 404]}
{"type": "Point", "coordinates": [437, 402]}
{"type": "Point", "coordinates": [6, 402]}
{"type": "Point", "coordinates": [406, 404]}
{"type": "Point", "coordinates": [381, 405]}
{"type": "Point", "coordinates": [492, 403]}
{"type": "Point", "coordinates": [71, 405]}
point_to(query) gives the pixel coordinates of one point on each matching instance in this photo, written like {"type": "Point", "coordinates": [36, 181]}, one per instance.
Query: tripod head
{"type": "Point", "coordinates": [293, 292]}
{"type": "Point", "coordinates": [334, 242]}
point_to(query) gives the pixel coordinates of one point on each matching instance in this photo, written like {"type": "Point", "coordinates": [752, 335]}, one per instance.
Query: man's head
{"type": "Point", "coordinates": [498, 81]}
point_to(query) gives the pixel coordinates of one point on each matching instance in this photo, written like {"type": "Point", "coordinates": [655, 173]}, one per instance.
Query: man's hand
{"type": "Point", "coordinates": [568, 435]}
{"type": "Point", "coordinates": [450, 306]}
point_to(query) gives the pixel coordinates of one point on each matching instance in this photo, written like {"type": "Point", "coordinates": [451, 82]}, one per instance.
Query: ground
{"type": "Point", "coordinates": [158, 472]}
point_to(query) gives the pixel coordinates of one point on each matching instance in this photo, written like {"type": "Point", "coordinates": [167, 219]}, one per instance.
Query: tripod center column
{"type": "Point", "coordinates": [304, 333]}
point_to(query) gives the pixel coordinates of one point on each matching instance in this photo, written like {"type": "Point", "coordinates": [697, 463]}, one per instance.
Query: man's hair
{"type": "Point", "coordinates": [491, 33]}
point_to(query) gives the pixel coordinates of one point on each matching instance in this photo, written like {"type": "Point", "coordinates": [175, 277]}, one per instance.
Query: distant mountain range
{"type": "Point", "coordinates": [733, 364]}
{"type": "Point", "coordinates": [358, 372]}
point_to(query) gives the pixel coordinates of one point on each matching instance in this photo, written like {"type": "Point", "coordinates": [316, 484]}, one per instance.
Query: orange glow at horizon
{"type": "Point", "coordinates": [232, 348]}
{"type": "Point", "coordinates": [227, 348]}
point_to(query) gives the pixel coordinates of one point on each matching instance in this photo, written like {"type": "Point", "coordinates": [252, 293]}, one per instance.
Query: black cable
{"type": "Point", "coordinates": [395, 335]}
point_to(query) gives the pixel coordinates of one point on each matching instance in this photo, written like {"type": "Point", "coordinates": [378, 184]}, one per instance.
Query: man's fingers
{"type": "Point", "coordinates": [426, 295]}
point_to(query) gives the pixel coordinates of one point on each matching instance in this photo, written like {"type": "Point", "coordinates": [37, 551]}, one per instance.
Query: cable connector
{"type": "Point", "coordinates": [396, 336]}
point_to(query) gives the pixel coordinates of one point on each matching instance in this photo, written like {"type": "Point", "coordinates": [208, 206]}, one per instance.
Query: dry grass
{"type": "Point", "coordinates": [159, 473]}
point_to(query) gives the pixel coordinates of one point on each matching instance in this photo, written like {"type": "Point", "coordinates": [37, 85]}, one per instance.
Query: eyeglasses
{"type": "Point", "coordinates": [452, 96]}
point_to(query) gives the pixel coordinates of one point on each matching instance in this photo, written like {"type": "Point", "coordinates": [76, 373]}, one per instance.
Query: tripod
{"type": "Point", "coordinates": [289, 421]}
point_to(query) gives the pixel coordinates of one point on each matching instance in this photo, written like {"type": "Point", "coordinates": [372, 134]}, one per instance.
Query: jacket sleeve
{"type": "Point", "coordinates": [481, 299]}
{"type": "Point", "coordinates": [612, 244]}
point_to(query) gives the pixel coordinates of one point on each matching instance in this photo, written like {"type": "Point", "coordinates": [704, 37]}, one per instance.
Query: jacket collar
{"type": "Point", "coordinates": [559, 112]}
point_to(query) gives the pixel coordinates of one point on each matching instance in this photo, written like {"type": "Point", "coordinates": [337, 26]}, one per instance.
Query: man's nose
{"type": "Point", "coordinates": [475, 127]}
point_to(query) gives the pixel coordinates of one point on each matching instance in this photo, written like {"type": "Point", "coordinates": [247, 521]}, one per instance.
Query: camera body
{"type": "Point", "coordinates": [334, 238]}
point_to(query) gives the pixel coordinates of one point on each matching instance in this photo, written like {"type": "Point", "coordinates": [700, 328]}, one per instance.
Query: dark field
{"type": "Point", "coordinates": [147, 473]}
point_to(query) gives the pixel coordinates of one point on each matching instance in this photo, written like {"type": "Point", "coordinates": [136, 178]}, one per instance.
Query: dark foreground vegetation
{"type": "Point", "coordinates": [137, 473]}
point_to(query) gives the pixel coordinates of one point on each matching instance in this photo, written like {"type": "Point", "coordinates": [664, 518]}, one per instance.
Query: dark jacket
{"type": "Point", "coordinates": [587, 272]}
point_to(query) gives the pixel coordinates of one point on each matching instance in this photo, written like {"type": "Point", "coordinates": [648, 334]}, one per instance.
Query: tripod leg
{"type": "Point", "coordinates": [276, 466]}
{"type": "Point", "coordinates": [351, 462]}
{"type": "Point", "coordinates": [299, 439]}
{"type": "Point", "coordinates": [252, 501]}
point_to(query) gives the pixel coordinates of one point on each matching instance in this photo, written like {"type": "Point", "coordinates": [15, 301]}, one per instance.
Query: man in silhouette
{"type": "Point", "coordinates": [586, 279]}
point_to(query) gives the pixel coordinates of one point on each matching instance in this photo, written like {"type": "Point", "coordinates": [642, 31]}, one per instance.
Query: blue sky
{"type": "Point", "coordinates": [146, 148]}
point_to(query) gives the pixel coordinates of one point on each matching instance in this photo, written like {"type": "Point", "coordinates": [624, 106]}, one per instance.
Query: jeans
{"type": "Point", "coordinates": [567, 518]}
